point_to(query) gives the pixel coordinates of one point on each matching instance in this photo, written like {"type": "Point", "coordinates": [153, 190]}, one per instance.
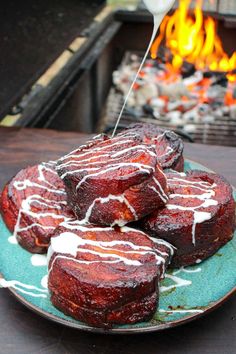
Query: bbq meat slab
{"type": "Point", "coordinates": [198, 219]}
{"type": "Point", "coordinates": [105, 276]}
{"type": "Point", "coordinates": [33, 204]}
{"type": "Point", "coordinates": [113, 181]}
{"type": "Point", "coordinates": [168, 145]}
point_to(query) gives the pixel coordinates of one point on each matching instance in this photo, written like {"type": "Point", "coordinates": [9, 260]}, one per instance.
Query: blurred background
{"type": "Point", "coordinates": [68, 65]}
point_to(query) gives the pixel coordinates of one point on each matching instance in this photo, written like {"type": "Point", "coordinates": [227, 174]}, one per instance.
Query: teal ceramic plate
{"type": "Point", "coordinates": [186, 293]}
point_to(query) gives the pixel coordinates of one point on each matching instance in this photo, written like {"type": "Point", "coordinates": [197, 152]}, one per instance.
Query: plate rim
{"type": "Point", "coordinates": [134, 330]}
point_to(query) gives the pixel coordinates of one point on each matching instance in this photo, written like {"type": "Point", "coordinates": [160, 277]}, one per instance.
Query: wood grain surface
{"type": "Point", "coordinates": [23, 332]}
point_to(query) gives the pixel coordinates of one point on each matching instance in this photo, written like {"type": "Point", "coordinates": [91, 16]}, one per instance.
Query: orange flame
{"type": "Point", "coordinates": [194, 39]}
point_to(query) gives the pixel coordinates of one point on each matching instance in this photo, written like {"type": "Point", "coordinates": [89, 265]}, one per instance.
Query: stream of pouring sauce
{"type": "Point", "coordinates": [158, 9]}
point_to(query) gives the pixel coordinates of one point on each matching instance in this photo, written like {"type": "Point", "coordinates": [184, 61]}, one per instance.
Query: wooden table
{"type": "Point", "coordinates": [23, 332]}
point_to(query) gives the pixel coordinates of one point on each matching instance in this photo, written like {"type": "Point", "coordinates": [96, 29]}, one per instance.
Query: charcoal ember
{"type": "Point", "coordinates": [234, 93]}
{"type": "Point", "coordinates": [164, 55]}
{"type": "Point", "coordinates": [175, 118]}
{"type": "Point", "coordinates": [212, 74]}
{"type": "Point", "coordinates": [221, 81]}
{"type": "Point", "coordinates": [232, 111]}
{"type": "Point", "coordinates": [174, 91]}
{"type": "Point", "coordinates": [216, 105]}
{"type": "Point", "coordinates": [181, 105]}
{"type": "Point", "coordinates": [194, 79]}
{"type": "Point", "coordinates": [157, 115]}
{"type": "Point", "coordinates": [225, 110]}
{"type": "Point", "coordinates": [148, 109]}
{"type": "Point", "coordinates": [192, 116]}
{"type": "Point", "coordinates": [204, 108]}
{"type": "Point", "coordinates": [131, 102]}
{"type": "Point", "coordinates": [187, 69]}
{"type": "Point", "coordinates": [158, 103]}
{"type": "Point", "coordinates": [216, 92]}
{"type": "Point", "coordinates": [134, 112]}
{"type": "Point", "coordinates": [190, 128]}
{"type": "Point", "coordinates": [209, 119]}
{"type": "Point", "coordinates": [146, 93]}
{"type": "Point", "coordinates": [218, 113]}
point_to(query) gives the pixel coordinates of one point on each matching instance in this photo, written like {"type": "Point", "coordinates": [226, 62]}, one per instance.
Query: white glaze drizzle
{"type": "Point", "coordinates": [147, 169]}
{"type": "Point", "coordinates": [99, 160]}
{"type": "Point", "coordinates": [44, 281]}
{"type": "Point", "coordinates": [12, 239]}
{"type": "Point", "coordinates": [120, 198]}
{"type": "Point", "coordinates": [181, 311]}
{"type": "Point", "coordinates": [38, 260]}
{"type": "Point", "coordinates": [23, 288]}
{"type": "Point", "coordinates": [185, 270]}
{"type": "Point", "coordinates": [159, 241]}
{"type": "Point", "coordinates": [199, 216]}
{"type": "Point", "coordinates": [27, 203]}
{"type": "Point", "coordinates": [178, 282]}
{"type": "Point", "coordinates": [69, 245]}
{"type": "Point", "coordinates": [164, 195]}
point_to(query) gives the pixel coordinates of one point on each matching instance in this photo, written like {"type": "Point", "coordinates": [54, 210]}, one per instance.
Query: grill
{"type": "Point", "coordinates": [69, 87]}
{"type": "Point", "coordinates": [220, 132]}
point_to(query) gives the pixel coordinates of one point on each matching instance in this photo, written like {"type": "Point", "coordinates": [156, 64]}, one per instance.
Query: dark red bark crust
{"type": "Point", "coordinates": [106, 290]}
{"type": "Point", "coordinates": [114, 181]}
{"type": "Point", "coordinates": [40, 187]}
{"type": "Point", "coordinates": [176, 226]}
{"type": "Point", "coordinates": [169, 147]}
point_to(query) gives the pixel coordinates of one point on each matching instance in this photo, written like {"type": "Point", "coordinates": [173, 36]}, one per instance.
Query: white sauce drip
{"type": "Point", "coordinates": [24, 288]}
{"type": "Point", "coordinates": [38, 260]}
{"type": "Point", "coordinates": [44, 281]}
{"type": "Point", "coordinates": [37, 199]}
{"type": "Point", "coordinates": [178, 282]}
{"type": "Point", "coordinates": [199, 216]}
{"type": "Point", "coordinates": [69, 245]}
{"type": "Point", "coordinates": [101, 159]}
{"type": "Point", "coordinates": [181, 311]}
{"type": "Point", "coordinates": [12, 240]}
{"type": "Point", "coordinates": [120, 198]}
{"type": "Point", "coordinates": [184, 270]}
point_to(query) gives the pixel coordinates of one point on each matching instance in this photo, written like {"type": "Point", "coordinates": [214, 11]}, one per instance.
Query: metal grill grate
{"type": "Point", "coordinates": [221, 132]}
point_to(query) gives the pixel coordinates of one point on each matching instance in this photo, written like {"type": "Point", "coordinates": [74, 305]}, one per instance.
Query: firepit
{"type": "Point", "coordinates": [188, 83]}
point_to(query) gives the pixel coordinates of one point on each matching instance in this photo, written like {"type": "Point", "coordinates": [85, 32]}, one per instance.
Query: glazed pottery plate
{"type": "Point", "coordinates": [185, 294]}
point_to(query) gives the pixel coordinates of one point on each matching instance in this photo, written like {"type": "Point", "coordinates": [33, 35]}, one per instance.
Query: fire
{"type": "Point", "coordinates": [193, 38]}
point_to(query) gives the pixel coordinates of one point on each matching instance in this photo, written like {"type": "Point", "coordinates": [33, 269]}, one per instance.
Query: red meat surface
{"type": "Point", "coordinates": [33, 204]}
{"type": "Point", "coordinates": [105, 276]}
{"type": "Point", "coordinates": [169, 147]}
{"type": "Point", "coordinates": [198, 219]}
{"type": "Point", "coordinates": [114, 181]}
